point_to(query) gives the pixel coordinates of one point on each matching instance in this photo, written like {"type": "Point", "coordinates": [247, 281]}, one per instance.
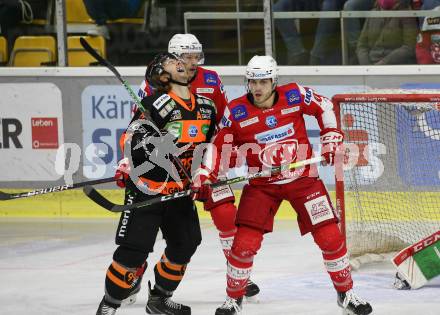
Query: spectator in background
{"type": "Point", "coordinates": [103, 10]}
{"type": "Point", "coordinates": [12, 12]}
{"type": "Point", "coordinates": [327, 30]}
{"type": "Point", "coordinates": [353, 26]}
{"type": "Point", "coordinates": [428, 41]}
{"type": "Point", "coordinates": [426, 5]}
{"type": "Point", "coordinates": [388, 40]}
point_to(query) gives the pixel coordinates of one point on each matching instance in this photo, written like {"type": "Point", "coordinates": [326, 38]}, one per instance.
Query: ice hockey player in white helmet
{"type": "Point", "coordinates": [270, 118]}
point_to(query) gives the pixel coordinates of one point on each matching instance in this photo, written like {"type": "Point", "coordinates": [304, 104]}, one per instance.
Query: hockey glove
{"type": "Point", "coordinates": [122, 172]}
{"type": "Point", "coordinates": [331, 140]}
{"type": "Point", "coordinates": [200, 189]}
{"type": "Point", "coordinates": [201, 193]}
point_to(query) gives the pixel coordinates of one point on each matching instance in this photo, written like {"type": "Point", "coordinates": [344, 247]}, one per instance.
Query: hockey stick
{"type": "Point", "coordinates": [130, 91]}
{"type": "Point", "coordinates": [43, 191]}
{"type": "Point", "coordinates": [107, 204]}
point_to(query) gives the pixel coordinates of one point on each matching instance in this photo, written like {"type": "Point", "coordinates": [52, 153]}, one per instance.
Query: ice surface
{"type": "Point", "coordinates": [52, 267]}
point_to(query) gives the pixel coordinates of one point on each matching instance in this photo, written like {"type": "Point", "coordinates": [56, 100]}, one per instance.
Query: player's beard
{"type": "Point", "coordinates": [259, 103]}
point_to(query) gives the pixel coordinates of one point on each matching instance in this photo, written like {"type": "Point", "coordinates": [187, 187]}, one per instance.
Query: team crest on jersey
{"type": "Point", "coordinates": [279, 153]}
{"type": "Point", "coordinates": [210, 79]}
{"type": "Point", "coordinates": [293, 97]}
{"type": "Point", "coordinates": [192, 131]}
{"type": "Point", "coordinates": [271, 121]}
{"type": "Point", "coordinates": [239, 112]}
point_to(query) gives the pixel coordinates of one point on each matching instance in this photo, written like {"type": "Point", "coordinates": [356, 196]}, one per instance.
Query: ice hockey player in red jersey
{"type": "Point", "coordinates": [267, 123]}
{"type": "Point", "coordinates": [202, 81]}
{"type": "Point", "coordinates": [206, 83]}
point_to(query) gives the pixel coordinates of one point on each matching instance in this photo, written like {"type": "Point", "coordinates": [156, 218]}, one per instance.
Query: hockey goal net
{"type": "Point", "coordinates": [389, 195]}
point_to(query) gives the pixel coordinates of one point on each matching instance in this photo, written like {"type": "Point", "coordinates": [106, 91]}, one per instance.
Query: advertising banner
{"type": "Point", "coordinates": [106, 113]}
{"type": "Point", "coordinates": [31, 131]}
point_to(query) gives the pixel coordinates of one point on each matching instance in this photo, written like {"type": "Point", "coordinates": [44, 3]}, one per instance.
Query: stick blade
{"type": "Point", "coordinates": [99, 199]}
{"type": "Point", "coordinates": [99, 58]}
{"type": "Point", "coordinates": [5, 196]}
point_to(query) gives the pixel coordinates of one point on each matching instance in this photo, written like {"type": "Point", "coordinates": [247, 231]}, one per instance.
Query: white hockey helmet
{"type": "Point", "coordinates": [262, 67]}
{"type": "Point", "coordinates": [186, 44]}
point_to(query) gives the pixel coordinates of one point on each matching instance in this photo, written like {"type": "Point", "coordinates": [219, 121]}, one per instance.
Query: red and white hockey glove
{"type": "Point", "coordinates": [200, 188]}
{"type": "Point", "coordinates": [331, 140]}
{"type": "Point", "coordinates": [122, 172]}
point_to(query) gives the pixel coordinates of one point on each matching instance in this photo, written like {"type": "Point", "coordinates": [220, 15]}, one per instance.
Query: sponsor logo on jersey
{"type": "Point", "coordinates": [210, 79]}
{"type": "Point", "coordinates": [205, 129]}
{"type": "Point", "coordinates": [192, 131]}
{"type": "Point", "coordinates": [204, 100]}
{"type": "Point", "coordinates": [308, 97]}
{"type": "Point", "coordinates": [176, 115]}
{"type": "Point", "coordinates": [225, 122]}
{"type": "Point", "coordinates": [293, 97]}
{"type": "Point", "coordinates": [222, 192]}
{"type": "Point", "coordinates": [239, 112]}
{"type": "Point", "coordinates": [174, 128]}
{"type": "Point", "coordinates": [289, 110]}
{"type": "Point", "coordinates": [205, 113]}
{"type": "Point", "coordinates": [279, 153]}
{"type": "Point", "coordinates": [160, 102]}
{"type": "Point", "coordinates": [319, 210]}
{"type": "Point", "coordinates": [167, 109]}
{"type": "Point", "coordinates": [271, 121]}
{"type": "Point", "coordinates": [163, 113]}
{"type": "Point", "coordinates": [205, 110]}
{"type": "Point", "coordinates": [249, 122]}
{"type": "Point", "coordinates": [275, 134]}
{"type": "Point", "coordinates": [205, 90]}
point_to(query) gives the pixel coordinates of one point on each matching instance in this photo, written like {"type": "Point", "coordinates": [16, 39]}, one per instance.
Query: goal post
{"type": "Point", "coordinates": [388, 188]}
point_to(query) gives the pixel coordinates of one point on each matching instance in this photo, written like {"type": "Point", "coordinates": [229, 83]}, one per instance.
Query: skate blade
{"type": "Point", "coordinates": [347, 312]}
{"type": "Point", "coordinates": [252, 299]}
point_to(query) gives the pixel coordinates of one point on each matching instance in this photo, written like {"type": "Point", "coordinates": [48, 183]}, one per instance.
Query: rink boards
{"type": "Point", "coordinates": [74, 204]}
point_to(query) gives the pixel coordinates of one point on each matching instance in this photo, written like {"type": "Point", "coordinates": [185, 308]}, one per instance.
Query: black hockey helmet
{"type": "Point", "coordinates": [155, 69]}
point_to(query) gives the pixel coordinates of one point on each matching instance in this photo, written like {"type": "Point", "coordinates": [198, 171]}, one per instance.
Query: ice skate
{"type": "Point", "coordinates": [230, 307]}
{"type": "Point", "coordinates": [400, 283]}
{"type": "Point", "coordinates": [106, 308]}
{"type": "Point", "coordinates": [159, 303]}
{"type": "Point", "coordinates": [353, 304]}
{"type": "Point", "coordinates": [132, 298]}
{"type": "Point", "coordinates": [252, 289]}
